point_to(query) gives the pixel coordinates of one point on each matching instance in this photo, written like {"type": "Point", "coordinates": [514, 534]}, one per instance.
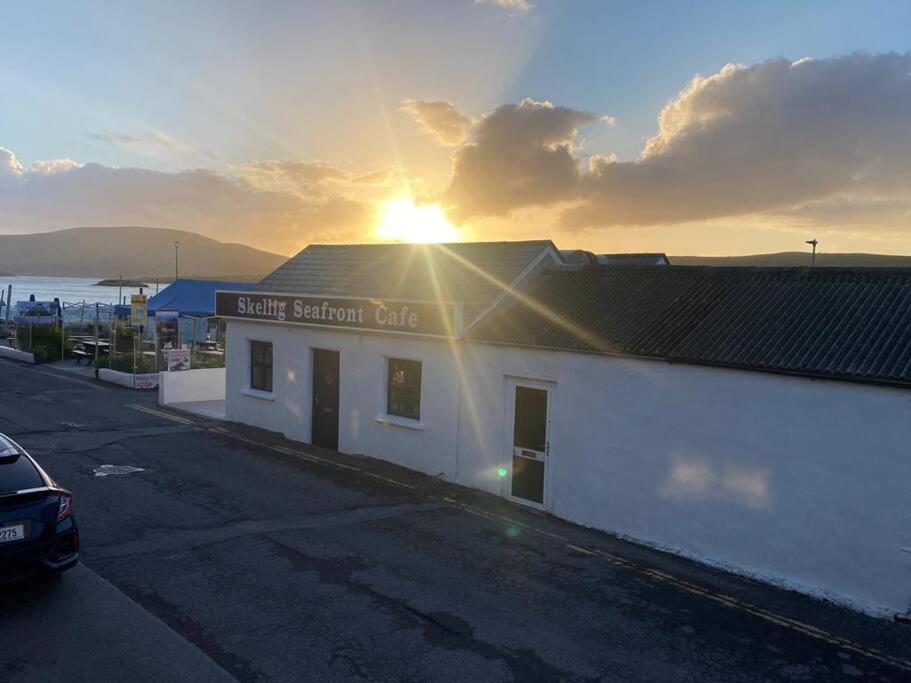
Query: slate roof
{"type": "Point", "coordinates": [641, 259]}
{"type": "Point", "coordinates": [841, 323]}
{"type": "Point", "coordinates": [468, 272]}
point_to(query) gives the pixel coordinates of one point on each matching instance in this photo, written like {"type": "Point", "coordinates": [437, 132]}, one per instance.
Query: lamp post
{"type": "Point", "coordinates": [176, 246]}
{"type": "Point", "coordinates": [813, 242]}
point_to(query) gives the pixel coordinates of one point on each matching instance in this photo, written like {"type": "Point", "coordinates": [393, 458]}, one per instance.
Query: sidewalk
{"type": "Point", "coordinates": [69, 365]}
{"type": "Point", "coordinates": [214, 410]}
{"type": "Point", "coordinates": [117, 639]}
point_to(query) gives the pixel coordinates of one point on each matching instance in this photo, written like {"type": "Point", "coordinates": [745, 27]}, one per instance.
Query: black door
{"type": "Point", "coordinates": [529, 444]}
{"type": "Point", "coordinates": [325, 399]}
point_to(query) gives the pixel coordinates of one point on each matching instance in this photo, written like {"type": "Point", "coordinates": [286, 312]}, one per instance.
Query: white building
{"type": "Point", "coordinates": [757, 419]}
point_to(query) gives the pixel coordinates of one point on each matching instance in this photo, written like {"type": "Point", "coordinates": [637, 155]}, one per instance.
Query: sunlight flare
{"type": "Point", "coordinates": [401, 220]}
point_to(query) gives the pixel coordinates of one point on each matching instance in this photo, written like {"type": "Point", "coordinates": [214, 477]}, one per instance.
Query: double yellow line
{"type": "Point", "coordinates": [161, 414]}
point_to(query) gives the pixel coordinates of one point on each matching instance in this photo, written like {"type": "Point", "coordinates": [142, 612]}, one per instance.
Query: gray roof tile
{"type": "Point", "coordinates": [472, 273]}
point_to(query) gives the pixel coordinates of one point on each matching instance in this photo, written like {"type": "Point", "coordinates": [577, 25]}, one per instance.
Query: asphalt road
{"type": "Point", "coordinates": [236, 554]}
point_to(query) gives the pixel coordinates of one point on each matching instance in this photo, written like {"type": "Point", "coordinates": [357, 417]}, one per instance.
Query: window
{"type": "Point", "coordinates": [261, 366]}
{"type": "Point", "coordinates": [403, 388]}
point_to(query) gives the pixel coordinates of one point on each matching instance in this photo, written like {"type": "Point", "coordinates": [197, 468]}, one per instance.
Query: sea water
{"type": "Point", "coordinates": [70, 290]}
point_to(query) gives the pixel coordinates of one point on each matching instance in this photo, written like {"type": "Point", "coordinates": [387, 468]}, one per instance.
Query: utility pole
{"type": "Point", "coordinates": [813, 242]}
{"type": "Point", "coordinates": [176, 247]}
{"type": "Point", "coordinates": [96, 354]}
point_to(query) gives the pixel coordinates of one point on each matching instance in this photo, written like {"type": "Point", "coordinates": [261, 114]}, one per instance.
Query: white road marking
{"type": "Point", "coordinates": [109, 470]}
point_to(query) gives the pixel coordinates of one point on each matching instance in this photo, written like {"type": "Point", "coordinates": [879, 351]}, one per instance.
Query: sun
{"type": "Point", "coordinates": [401, 220]}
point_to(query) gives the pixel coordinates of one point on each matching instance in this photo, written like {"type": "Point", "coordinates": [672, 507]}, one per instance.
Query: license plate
{"type": "Point", "coordinates": [12, 533]}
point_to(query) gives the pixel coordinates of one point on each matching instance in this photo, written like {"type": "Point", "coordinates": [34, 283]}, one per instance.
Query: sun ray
{"type": "Point", "coordinates": [539, 308]}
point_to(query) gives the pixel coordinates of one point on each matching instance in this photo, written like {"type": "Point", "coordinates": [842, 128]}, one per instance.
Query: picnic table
{"type": "Point", "coordinates": [89, 350]}
{"type": "Point", "coordinates": [207, 345]}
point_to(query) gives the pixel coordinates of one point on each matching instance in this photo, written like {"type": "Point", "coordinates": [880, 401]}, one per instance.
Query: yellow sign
{"type": "Point", "coordinates": [139, 309]}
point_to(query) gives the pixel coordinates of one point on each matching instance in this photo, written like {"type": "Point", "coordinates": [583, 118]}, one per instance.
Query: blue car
{"type": "Point", "coordinates": [38, 532]}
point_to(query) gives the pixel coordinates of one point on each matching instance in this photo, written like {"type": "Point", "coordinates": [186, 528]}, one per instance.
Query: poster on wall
{"type": "Point", "coordinates": [178, 359]}
{"type": "Point", "coordinates": [145, 381]}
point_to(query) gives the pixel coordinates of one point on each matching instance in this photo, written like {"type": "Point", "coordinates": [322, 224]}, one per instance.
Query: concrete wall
{"type": "Point", "coordinates": [204, 384]}
{"type": "Point", "coordinates": [796, 481]}
{"type": "Point", "coordinates": [129, 380]}
{"type": "Point", "coordinates": [15, 354]}
{"type": "Point", "coordinates": [428, 446]}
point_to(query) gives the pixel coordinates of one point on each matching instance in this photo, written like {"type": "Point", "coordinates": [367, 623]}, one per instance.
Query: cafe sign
{"type": "Point", "coordinates": [409, 317]}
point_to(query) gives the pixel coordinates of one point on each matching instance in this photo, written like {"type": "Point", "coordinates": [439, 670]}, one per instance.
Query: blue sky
{"type": "Point", "coordinates": [217, 74]}
{"type": "Point", "coordinates": [172, 86]}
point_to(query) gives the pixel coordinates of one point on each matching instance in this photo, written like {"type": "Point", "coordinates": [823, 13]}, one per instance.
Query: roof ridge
{"type": "Point", "coordinates": [428, 244]}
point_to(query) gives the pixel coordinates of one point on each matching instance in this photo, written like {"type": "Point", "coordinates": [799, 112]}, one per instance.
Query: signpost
{"type": "Point", "coordinates": [139, 310]}
{"type": "Point", "coordinates": [139, 313]}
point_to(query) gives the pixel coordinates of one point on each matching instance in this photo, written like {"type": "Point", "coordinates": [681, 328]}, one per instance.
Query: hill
{"type": "Point", "coordinates": [133, 252]}
{"type": "Point", "coordinates": [796, 258]}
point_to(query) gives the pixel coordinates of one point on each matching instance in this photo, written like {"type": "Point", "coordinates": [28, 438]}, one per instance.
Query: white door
{"type": "Point", "coordinates": [530, 447]}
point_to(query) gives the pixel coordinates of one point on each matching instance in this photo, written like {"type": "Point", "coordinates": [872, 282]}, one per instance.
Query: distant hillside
{"type": "Point", "coordinates": [132, 252]}
{"type": "Point", "coordinates": [796, 258]}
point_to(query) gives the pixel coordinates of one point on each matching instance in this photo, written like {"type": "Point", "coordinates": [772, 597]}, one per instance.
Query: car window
{"type": "Point", "coordinates": [17, 473]}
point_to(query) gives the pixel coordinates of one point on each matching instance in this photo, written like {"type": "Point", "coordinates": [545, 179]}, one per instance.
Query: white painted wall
{"type": "Point", "coordinates": [795, 481]}
{"type": "Point", "coordinates": [362, 397]}
{"type": "Point", "coordinates": [203, 384]}
{"type": "Point", "coordinates": [16, 354]}
{"type": "Point", "coordinates": [792, 480]}
{"type": "Point", "coordinates": [128, 379]}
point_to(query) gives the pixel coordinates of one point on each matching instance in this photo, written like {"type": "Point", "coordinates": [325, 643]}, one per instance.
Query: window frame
{"type": "Point", "coordinates": [268, 377]}
{"type": "Point", "coordinates": [412, 386]}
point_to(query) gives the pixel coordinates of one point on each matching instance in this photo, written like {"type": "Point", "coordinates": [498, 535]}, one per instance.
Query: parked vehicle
{"type": "Point", "coordinates": [38, 533]}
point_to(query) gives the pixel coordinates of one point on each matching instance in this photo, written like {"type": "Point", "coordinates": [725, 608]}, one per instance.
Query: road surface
{"type": "Point", "coordinates": [231, 553]}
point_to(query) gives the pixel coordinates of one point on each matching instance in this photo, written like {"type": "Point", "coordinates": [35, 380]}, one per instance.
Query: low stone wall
{"type": "Point", "coordinates": [205, 384]}
{"type": "Point", "coordinates": [126, 379]}
{"type": "Point", "coordinates": [16, 354]}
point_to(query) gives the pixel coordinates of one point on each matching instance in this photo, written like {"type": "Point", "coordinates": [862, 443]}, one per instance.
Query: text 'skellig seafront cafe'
{"type": "Point", "coordinates": [754, 418]}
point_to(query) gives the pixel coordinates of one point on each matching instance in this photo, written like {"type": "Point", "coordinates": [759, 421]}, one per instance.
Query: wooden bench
{"type": "Point", "coordinates": [79, 354]}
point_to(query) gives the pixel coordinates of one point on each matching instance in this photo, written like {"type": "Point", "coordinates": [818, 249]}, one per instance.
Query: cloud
{"type": "Point", "coordinates": [10, 167]}
{"type": "Point", "coordinates": [319, 180]}
{"type": "Point", "coordinates": [771, 139]}
{"type": "Point", "coordinates": [12, 171]}
{"type": "Point", "coordinates": [849, 212]}
{"type": "Point", "coordinates": [54, 195]}
{"type": "Point", "coordinates": [514, 6]}
{"type": "Point", "coordinates": [440, 119]}
{"type": "Point", "coordinates": [54, 166]}
{"type": "Point", "coordinates": [150, 140]}
{"type": "Point", "coordinates": [291, 174]}
{"type": "Point", "coordinates": [518, 156]}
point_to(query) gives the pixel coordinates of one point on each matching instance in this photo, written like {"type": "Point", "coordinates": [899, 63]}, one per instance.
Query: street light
{"type": "Point", "coordinates": [813, 242]}
{"type": "Point", "coordinates": [176, 246]}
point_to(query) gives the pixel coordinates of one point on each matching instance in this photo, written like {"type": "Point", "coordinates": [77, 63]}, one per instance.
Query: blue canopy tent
{"type": "Point", "coordinates": [193, 300]}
